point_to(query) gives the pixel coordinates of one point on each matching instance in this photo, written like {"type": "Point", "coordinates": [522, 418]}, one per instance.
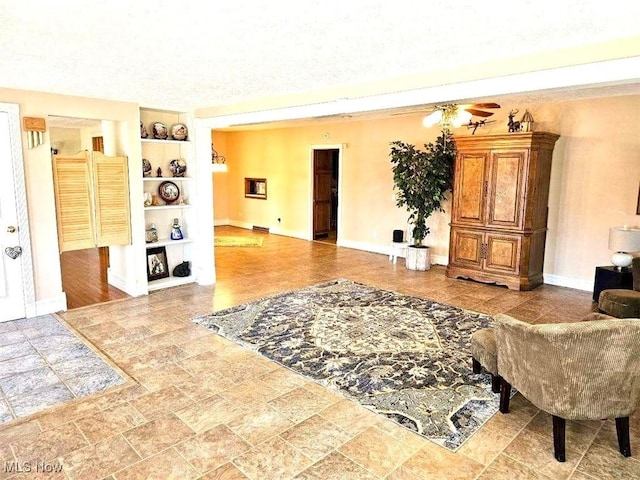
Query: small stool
{"type": "Point", "coordinates": [397, 248]}
{"type": "Point", "coordinates": [484, 353]}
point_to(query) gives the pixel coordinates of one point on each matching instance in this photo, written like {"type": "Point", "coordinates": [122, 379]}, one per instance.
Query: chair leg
{"type": "Point", "coordinates": [475, 364]}
{"type": "Point", "coordinates": [622, 429]}
{"type": "Point", "coordinates": [505, 394]}
{"type": "Point", "coordinates": [496, 380]}
{"type": "Point", "coordinates": [558, 438]}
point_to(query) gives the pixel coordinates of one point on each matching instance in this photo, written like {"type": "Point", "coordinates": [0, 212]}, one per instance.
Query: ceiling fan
{"type": "Point", "coordinates": [455, 114]}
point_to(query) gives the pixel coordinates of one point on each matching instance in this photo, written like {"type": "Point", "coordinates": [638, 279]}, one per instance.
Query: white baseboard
{"type": "Point", "coordinates": [576, 283]}
{"type": "Point", "coordinates": [52, 305]}
{"type": "Point", "coordinates": [129, 287]}
{"type": "Point", "coordinates": [219, 223]}
{"type": "Point", "coordinates": [367, 247]}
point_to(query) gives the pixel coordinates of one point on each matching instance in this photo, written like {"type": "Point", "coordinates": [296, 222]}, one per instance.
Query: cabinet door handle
{"type": "Point", "coordinates": [486, 188]}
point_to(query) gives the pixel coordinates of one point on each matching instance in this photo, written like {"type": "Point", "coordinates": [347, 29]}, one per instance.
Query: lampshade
{"type": "Point", "coordinates": [623, 240]}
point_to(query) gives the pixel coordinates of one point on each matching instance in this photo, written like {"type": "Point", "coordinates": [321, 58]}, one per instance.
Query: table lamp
{"type": "Point", "coordinates": [623, 240]}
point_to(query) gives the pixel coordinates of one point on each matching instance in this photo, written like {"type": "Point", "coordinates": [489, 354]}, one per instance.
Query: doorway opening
{"type": "Point", "coordinates": [84, 272]}
{"type": "Point", "coordinates": [325, 195]}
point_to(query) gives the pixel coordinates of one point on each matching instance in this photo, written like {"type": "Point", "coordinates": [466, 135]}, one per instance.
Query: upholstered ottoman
{"type": "Point", "coordinates": [484, 353]}
{"type": "Point", "coordinates": [620, 303]}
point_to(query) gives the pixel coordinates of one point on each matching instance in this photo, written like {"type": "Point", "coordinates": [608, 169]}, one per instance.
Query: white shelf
{"type": "Point", "coordinates": [155, 140]}
{"type": "Point", "coordinates": [160, 153]}
{"type": "Point", "coordinates": [170, 282]}
{"type": "Point", "coordinates": [167, 241]}
{"type": "Point", "coordinates": [166, 207]}
{"type": "Point", "coordinates": [162, 179]}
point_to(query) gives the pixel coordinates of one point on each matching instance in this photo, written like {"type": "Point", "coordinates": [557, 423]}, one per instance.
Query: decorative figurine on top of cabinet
{"type": "Point", "coordinates": [514, 125]}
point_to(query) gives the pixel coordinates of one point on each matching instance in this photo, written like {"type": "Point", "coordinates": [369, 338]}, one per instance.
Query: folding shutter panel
{"type": "Point", "coordinates": [111, 183]}
{"type": "Point", "coordinates": [74, 209]}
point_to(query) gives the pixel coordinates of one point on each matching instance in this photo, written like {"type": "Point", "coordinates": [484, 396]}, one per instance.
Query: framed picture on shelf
{"type": "Point", "coordinates": [157, 266]}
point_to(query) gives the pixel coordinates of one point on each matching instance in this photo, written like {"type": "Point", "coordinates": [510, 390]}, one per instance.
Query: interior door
{"type": "Point", "coordinates": [12, 295]}
{"type": "Point", "coordinates": [321, 193]}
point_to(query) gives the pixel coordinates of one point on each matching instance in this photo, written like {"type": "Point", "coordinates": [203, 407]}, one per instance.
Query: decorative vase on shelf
{"type": "Point", "coordinates": [146, 167]}
{"type": "Point", "coordinates": [143, 131]}
{"type": "Point", "coordinates": [148, 199]}
{"type": "Point", "coordinates": [178, 167]}
{"type": "Point", "coordinates": [176, 231]}
{"type": "Point", "coordinates": [151, 234]}
{"type": "Point", "coordinates": [160, 131]}
{"type": "Point", "coordinates": [179, 131]}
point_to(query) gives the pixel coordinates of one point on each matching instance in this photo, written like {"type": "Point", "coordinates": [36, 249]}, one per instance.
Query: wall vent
{"type": "Point", "coordinates": [258, 228]}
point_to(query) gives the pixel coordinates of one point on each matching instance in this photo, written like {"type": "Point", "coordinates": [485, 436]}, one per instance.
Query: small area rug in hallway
{"type": "Point", "coordinates": [403, 357]}
{"type": "Point", "coordinates": [231, 241]}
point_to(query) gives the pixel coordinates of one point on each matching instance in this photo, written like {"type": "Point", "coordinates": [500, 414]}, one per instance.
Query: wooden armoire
{"type": "Point", "coordinates": [499, 211]}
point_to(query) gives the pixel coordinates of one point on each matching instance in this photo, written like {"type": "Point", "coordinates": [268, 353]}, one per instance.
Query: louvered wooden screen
{"type": "Point", "coordinates": [74, 209]}
{"type": "Point", "coordinates": [111, 185]}
{"type": "Point", "coordinates": [92, 201]}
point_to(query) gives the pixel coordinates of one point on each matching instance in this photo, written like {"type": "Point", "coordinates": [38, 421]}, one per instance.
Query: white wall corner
{"type": "Point", "coordinates": [52, 305]}
{"type": "Point", "coordinates": [577, 283]}
{"type": "Point", "coordinates": [127, 284]}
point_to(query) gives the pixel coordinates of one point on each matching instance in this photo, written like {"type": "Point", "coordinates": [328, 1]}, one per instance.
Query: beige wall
{"type": "Point", "coordinates": [220, 182]}
{"type": "Point", "coordinates": [39, 179]}
{"type": "Point", "coordinates": [595, 177]}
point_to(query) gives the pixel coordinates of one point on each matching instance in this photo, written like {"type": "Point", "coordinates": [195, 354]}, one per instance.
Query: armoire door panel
{"type": "Point", "coordinates": [506, 189]}
{"type": "Point", "coordinates": [467, 248]}
{"type": "Point", "coordinates": [469, 190]}
{"type": "Point", "coordinates": [503, 253]}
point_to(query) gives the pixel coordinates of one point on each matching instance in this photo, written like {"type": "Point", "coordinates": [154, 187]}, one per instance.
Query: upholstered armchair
{"type": "Point", "coordinates": [587, 370]}
{"type": "Point", "coordinates": [623, 303]}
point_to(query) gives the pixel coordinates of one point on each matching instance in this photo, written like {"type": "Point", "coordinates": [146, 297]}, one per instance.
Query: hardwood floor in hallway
{"type": "Point", "coordinates": [200, 407]}
{"type": "Point", "coordinates": [84, 278]}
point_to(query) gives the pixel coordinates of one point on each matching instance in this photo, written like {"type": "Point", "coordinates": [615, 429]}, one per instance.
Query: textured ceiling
{"type": "Point", "coordinates": [195, 54]}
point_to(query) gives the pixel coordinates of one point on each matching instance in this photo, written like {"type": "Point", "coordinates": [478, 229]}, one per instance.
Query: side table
{"type": "Point", "coordinates": [609, 277]}
{"type": "Point", "coordinates": [397, 249]}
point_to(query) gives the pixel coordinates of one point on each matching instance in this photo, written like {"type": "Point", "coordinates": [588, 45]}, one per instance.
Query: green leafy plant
{"type": "Point", "coordinates": [422, 179]}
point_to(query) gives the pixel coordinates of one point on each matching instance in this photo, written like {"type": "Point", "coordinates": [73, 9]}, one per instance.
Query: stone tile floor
{"type": "Point", "coordinates": [43, 363]}
{"type": "Point", "coordinates": [200, 407]}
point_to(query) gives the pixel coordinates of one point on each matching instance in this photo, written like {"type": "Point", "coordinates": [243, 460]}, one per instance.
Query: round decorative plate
{"type": "Point", "coordinates": [179, 131]}
{"type": "Point", "coordinates": [168, 191]}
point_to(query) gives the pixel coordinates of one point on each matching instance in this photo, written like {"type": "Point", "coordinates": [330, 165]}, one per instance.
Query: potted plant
{"type": "Point", "coordinates": [422, 179]}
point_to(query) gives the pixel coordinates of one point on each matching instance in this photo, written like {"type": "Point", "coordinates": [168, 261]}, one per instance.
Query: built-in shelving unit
{"type": "Point", "coordinates": [159, 153]}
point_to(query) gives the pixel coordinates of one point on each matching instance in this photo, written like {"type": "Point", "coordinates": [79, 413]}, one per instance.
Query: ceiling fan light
{"type": "Point", "coordinates": [462, 117]}
{"type": "Point", "coordinates": [433, 118]}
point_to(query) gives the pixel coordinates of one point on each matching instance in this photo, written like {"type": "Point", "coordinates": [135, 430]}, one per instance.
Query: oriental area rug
{"type": "Point", "coordinates": [404, 357]}
{"type": "Point", "coordinates": [232, 241]}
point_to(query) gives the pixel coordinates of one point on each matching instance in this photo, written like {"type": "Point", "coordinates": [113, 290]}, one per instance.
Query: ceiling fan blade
{"type": "Point", "coordinates": [478, 113]}
{"type": "Point", "coordinates": [485, 105]}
